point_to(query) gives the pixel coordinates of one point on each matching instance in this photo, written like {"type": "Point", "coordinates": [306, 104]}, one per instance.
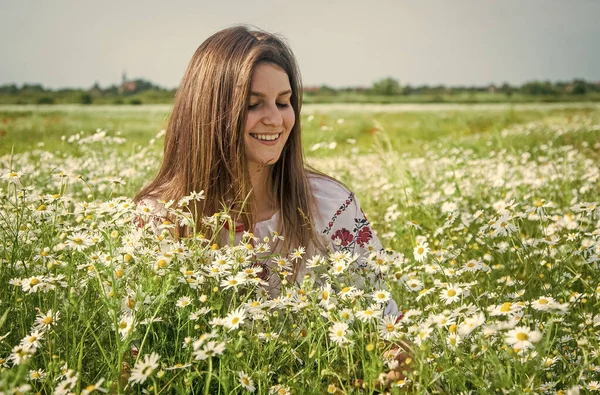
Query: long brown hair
{"type": "Point", "coordinates": [204, 144]}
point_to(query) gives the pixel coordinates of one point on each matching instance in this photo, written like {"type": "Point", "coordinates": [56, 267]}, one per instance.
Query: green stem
{"type": "Point", "coordinates": [208, 377]}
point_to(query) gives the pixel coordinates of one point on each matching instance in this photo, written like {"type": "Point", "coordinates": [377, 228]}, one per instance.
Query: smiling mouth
{"type": "Point", "coordinates": [265, 137]}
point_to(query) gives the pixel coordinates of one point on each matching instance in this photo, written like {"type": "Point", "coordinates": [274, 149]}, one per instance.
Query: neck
{"type": "Point", "coordinates": [261, 188]}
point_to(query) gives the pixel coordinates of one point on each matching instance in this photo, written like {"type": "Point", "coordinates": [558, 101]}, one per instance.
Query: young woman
{"type": "Point", "coordinates": [235, 134]}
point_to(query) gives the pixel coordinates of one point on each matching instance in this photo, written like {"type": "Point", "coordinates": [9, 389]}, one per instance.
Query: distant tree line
{"type": "Point", "coordinates": [140, 91]}
{"type": "Point", "coordinates": [391, 87]}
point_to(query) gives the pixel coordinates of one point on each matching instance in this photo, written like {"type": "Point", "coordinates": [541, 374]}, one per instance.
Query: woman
{"type": "Point", "coordinates": [235, 134]}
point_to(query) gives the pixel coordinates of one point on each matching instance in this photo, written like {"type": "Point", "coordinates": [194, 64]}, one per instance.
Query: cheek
{"type": "Point", "coordinates": [289, 120]}
{"type": "Point", "coordinates": [250, 121]}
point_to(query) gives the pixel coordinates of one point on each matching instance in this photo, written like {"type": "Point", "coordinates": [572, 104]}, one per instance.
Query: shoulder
{"type": "Point", "coordinates": [327, 188]}
{"type": "Point", "coordinates": [332, 200]}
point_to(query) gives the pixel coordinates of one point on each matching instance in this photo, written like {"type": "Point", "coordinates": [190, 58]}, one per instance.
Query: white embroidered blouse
{"type": "Point", "coordinates": [340, 224]}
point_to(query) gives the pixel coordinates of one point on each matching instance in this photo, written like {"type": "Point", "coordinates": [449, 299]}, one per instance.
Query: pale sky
{"type": "Point", "coordinates": [340, 43]}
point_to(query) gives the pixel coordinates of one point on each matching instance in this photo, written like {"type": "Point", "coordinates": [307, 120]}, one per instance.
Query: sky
{"type": "Point", "coordinates": [338, 43]}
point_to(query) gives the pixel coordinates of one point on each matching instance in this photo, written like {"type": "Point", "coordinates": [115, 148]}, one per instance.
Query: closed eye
{"type": "Point", "coordinates": [280, 105]}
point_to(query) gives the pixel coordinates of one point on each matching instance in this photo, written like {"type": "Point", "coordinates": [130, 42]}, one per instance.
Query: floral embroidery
{"type": "Point", "coordinates": [340, 210]}
{"type": "Point", "coordinates": [344, 236]}
{"type": "Point", "coordinates": [364, 236]}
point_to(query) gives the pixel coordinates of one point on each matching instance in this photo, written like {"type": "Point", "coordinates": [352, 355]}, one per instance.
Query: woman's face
{"type": "Point", "coordinates": [270, 115]}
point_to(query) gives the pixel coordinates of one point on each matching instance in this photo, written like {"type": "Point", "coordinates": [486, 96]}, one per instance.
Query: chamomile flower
{"type": "Point", "coordinates": [144, 369]}
{"type": "Point", "coordinates": [46, 321]}
{"type": "Point", "coordinates": [32, 340]}
{"type": "Point", "coordinates": [339, 332]}
{"type": "Point", "coordinates": [209, 349]}
{"type": "Point", "coordinates": [246, 381]}
{"type": "Point", "coordinates": [380, 296]}
{"type": "Point", "coordinates": [522, 338]}
{"type": "Point", "coordinates": [414, 285]}
{"type": "Point", "coordinates": [235, 319]}
{"type": "Point", "coordinates": [370, 313]}
{"type": "Point", "coordinates": [421, 251]}
{"type": "Point", "coordinates": [451, 294]}
{"type": "Point", "coordinates": [183, 301]}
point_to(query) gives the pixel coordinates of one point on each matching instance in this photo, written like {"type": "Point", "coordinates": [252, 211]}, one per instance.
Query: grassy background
{"type": "Point", "coordinates": [23, 128]}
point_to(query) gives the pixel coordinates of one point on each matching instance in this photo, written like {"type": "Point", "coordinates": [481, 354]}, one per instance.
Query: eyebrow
{"type": "Point", "coordinates": [259, 94]}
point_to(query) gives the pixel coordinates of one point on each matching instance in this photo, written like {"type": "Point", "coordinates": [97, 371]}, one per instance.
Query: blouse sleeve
{"type": "Point", "coordinates": [347, 229]}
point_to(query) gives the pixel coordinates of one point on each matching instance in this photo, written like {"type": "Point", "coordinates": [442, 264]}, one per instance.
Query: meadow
{"type": "Point", "coordinates": [489, 214]}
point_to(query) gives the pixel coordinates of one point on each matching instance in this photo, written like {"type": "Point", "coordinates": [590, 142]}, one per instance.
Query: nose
{"type": "Point", "coordinates": [272, 115]}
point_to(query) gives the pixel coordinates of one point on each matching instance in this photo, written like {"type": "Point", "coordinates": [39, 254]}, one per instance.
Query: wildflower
{"type": "Point", "coordinates": [522, 338]}
{"type": "Point", "coordinates": [94, 387]}
{"type": "Point", "coordinates": [210, 349]}
{"type": "Point", "coordinates": [369, 313]}
{"type": "Point", "coordinates": [451, 294]}
{"type": "Point", "coordinates": [593, 386]}
{"type": "Point", "coordinates": [279, 390]}
{"type": "Point", "coordinates": [13, 177]}
{"type": "Point", "coordinates": [33, 284]}
{"type": "Point", "coordinates": [20, 354]}
{"type": "Point", "coordinates": [144, 369]}
{"type": "Point", "coordinates": [38, 374]}
{"type": "Point", "coordinates": [379, 262]}
{"type": "Point", "coordinates": [472, 266]}
{"type": "Point", "coordinates": [502, 226]}
{"type": "Point", "coordinates": [424, 292]}
{"type": "Point", "coordinates": [325, 295]}
{"type": "Point", "coordinates": [507, 309]}
{"type": "Point", "coordinates": [338, 333]}
{"type": "Point", "coordinates": [388, 328]}
{"type": "Point", "coordinates": [235, 319]}
{"type": "Point", "coordinates": [199, 313]}
{"type": "Point", "coordinates": [183, 301]}
{"type": "Point", "coordinates": [380, 296]}
{"type": "Point", "coordinates": [421, 251]}
{"type": "Point", "coordinates": [470, 324]}
{"type": "Point", "coordinates": [46, 321]}
{"type": "Point", "coordinates": [79, 241]}
{"type": "Point", "coordinates": [544, 303]}
{"type": "Point", "coordinates": [125, 325]}
{"type": "Point", "coordinates": [233, 282]}
{"type": "Point", "coordinates": [298, 253]}
{"type": "Point", "coordinates": [414, 285]}
{"type": "Point", "coordinates": [32, 340]}
{"type": "Point", "coordinates": [246, 381]}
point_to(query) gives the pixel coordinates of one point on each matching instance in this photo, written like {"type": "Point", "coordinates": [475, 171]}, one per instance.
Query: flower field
{"type": "Point", "coordinates": [493, 256]}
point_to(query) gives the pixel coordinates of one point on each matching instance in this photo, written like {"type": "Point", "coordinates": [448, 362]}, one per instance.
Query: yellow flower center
{"type": "Point", "coordinates": [34, 281]}
{"type": "Point", "coordinates": [421, 250]}
{"type": "Point", "coordinates": [47, 320]}
{"type": "Point", "coordinates": [506, 307]}
{"type": "Point", "coordinates": [522, 336]}
{"type": "Point", "coordinates": [235, 320]}
{"type": "Point", "coordinates": [451, 292]}
{"type": "Point", "coordinates": [543, 301]}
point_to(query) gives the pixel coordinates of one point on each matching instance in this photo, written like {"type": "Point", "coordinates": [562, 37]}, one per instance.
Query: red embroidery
{"type": "Point", "coordinates": [364, 235]}
{"type": "Point", "coordinates": [344, 235]}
